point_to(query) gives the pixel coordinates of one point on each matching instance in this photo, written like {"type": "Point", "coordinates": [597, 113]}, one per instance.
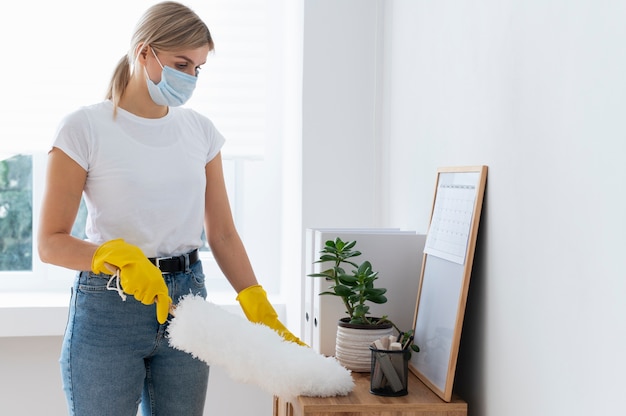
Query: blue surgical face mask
{"type": "Point", "coordinates": [175, 87]}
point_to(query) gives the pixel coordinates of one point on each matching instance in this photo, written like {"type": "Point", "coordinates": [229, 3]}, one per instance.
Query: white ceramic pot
{"type": "Point", "coordinates": [352, 348]}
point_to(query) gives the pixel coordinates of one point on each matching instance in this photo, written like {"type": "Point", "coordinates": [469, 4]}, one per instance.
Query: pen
{"type": "Point", "coordinates": [407, 342]}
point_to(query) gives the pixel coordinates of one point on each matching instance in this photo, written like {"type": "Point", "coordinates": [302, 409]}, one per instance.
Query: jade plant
{"type": "Point", "coordinates": [355, 288]}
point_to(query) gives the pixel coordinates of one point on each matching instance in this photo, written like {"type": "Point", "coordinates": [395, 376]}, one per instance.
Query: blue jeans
{"type": "Point", "coordinates": [116, 355]}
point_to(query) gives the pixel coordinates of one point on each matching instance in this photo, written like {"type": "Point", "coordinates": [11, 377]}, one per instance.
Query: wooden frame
{"type": "Point", "coordinates": [445, 275]}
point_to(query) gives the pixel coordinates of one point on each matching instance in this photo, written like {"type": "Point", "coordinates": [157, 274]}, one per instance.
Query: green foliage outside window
{"type": "Point", "coordinates": [16, 213]}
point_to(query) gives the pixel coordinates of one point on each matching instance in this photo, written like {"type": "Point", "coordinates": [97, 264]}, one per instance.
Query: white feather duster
{"type": "Point", "coordinates": [253, 353]}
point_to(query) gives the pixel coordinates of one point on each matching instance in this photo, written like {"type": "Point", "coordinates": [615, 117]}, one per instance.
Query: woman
{"type": "Point", "coordinates": [151, 175]}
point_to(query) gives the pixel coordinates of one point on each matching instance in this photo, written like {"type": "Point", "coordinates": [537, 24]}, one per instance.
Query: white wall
{"type": "Point", "coordinates": [339, 114]}
{"type": "Point", "coordinates": [536, 91]}
{"type": "Point", "coordinates": [30, 380]}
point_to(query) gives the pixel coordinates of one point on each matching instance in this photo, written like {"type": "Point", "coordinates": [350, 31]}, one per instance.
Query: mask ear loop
{"type": "Point", "coordinates": [116, 278]}
{"type": "Point", "coordinates": [156, 57]}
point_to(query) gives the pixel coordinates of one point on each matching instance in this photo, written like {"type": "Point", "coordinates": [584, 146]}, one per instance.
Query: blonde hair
{"type": "Point", "coordinates": [167, 26]}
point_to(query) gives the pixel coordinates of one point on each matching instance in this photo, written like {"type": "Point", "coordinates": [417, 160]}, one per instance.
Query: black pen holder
{"type": "Point", "coordinates": [390, 372]}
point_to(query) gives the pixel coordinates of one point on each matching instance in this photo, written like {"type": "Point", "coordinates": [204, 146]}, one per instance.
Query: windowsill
{"type": "Point", "coordinates": [27, 314]}
{"type": "Point", "coordinates": [30, 314]}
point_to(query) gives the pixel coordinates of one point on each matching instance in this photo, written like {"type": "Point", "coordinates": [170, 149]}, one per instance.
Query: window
{"type": "Point", "coordinates": [16, 213]}
{"type": "Point", "coordinates": [63, 62]}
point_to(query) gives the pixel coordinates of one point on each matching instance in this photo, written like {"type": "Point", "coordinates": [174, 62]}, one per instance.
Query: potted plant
{"type": "Point", "coordinates": [356, 289]}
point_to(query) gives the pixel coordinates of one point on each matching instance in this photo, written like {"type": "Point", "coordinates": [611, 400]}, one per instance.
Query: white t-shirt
{"type": "Point", "coordinates": [145, 177]}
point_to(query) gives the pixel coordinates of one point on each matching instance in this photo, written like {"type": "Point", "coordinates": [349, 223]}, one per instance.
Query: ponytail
{"type": "Point", "coordinates": [119, 81]}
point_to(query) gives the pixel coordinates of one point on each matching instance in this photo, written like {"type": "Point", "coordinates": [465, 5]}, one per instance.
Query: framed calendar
{"type": "Point", "coordinates": [445, 275]}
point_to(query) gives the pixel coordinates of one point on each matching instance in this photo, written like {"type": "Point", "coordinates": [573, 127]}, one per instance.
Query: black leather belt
{"type": "Point", "coordinates": [176, 263]}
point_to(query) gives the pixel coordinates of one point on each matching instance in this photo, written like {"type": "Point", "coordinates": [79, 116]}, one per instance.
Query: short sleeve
{"type": "Point", "coordinates": [72, 137]}
{"type": "Point", "coordinates": [216, 140]}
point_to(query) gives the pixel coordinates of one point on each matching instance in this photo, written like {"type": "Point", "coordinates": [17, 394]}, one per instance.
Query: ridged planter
{"type": "Point", "coordinates": [352, 348]}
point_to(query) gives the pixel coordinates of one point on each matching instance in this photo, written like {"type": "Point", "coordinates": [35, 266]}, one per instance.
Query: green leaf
{"type": "Point", "coordinates": [365, 267]}
{"type": "Point", "coordinates": [326, 257]}
{"type": "Point", "coordinates": [375, 292]}
{"type": "Point", "coordinates": [361, 310]}
{"type": "Point", "coordinates": [342, 290]}
{"type": "Point", "coordinates": [378, 299]}
{"type": "Point", "coordinates": [349, 245]}
{"type": "Point", "coordinates": [347, 279]}
{"type": "Point", "coordinates": [319, 275]}
{"type": "Point", "coordinates": [331, 243]}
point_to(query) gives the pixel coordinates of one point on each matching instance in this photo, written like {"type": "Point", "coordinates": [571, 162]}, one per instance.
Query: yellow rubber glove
{"type": "Point", "coordinates": [258, 309]}
{"type": "Point", "coordinates": [138, 276]}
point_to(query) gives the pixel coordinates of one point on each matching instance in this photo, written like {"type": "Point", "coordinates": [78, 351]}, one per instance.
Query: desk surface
{"type": "Point", "coordinates": [420, 400]}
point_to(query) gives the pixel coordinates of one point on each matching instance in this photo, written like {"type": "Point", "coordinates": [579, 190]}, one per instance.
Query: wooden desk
{"type": "Point", "coordinates": [420, 401]}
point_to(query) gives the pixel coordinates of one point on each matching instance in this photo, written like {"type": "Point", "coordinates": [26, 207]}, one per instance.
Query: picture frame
{"type": "Point", "coordinates": [445, 275]}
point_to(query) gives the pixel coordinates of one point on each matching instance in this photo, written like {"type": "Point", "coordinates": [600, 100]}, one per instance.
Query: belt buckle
{"type": "Point", "coordinates": [158, 260]}
{"type": "Point", "coordinates": [186, 261]}
{"type": "Point", "coordinates": [183, 258]}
